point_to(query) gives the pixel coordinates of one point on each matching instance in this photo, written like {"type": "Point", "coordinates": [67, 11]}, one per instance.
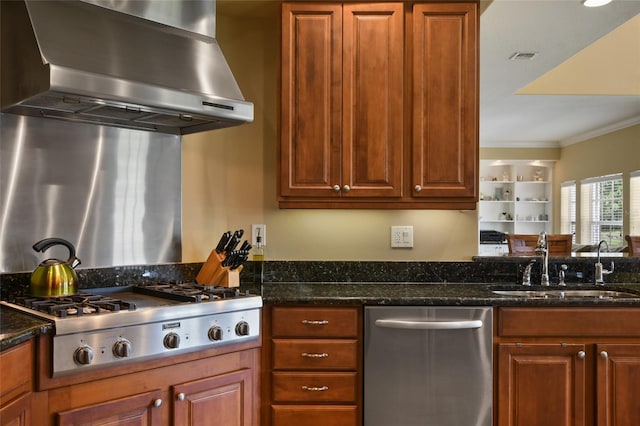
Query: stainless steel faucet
{"type": "Point", "coordinates": [600, 272]}
{"type": "Point", "coordinates": [542, 248]}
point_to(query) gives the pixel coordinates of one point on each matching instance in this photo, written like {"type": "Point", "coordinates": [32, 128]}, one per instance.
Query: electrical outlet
{"type": "Point", "coordinates": [258, 230]}
{"type": "Point", "coordinates": [402, 236]}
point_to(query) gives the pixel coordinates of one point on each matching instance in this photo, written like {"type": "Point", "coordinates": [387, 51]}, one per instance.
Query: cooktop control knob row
{"type": "Point", "coordinates": [215, 333]}
{"type": "Point", "coordinates": [122, 348]}
{"type": "Point", "coordinates": [242, 328]}
{"type": "Point", "coordinates": [171, 341]}
{"type": "Point", "coordinates": [83, 355]}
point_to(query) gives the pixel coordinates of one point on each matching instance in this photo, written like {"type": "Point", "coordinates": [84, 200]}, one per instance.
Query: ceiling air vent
{"type": "Point", "coordinates": [522, 55]}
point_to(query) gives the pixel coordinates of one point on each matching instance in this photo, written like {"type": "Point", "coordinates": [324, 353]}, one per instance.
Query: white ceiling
{"type": "Point", "coordinates": [570, 106]}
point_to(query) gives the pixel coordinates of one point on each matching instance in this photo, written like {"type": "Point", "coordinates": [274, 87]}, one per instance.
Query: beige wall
{"type": "Point", "coordinates": [229, 175]}
{"type": "Point", "coordinates": [616, 152]}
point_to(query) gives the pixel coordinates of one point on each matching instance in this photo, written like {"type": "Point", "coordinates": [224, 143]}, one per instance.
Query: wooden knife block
{"type": "Point", "coordinates": [213, 273]}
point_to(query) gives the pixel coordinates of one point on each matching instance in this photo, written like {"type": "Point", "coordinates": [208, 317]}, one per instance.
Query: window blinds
{"type": "Point", "coordinates": [634, 203]}
{"type": "Point", "coordinates": [568, 208]}
{"type": "Point", "coordinates": [602, 210]}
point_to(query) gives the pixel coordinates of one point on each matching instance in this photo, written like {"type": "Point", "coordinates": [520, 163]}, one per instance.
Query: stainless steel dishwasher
{"type": "Point", "coordinates": [428, 366]}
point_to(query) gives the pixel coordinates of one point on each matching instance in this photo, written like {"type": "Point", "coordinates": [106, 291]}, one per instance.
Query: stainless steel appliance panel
{"type": "Point", "coordinates": [113, 193]}
{"type": "Point", "coordinates": [428, 366]}
{"type": "Point", "coordinates": [75, 60]}
{"type": "Point", "coordinates": [198, 16]}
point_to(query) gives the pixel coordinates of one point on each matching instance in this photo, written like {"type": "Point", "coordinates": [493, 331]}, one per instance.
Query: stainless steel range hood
{"type": "Point", "coordinates": [155, 66]}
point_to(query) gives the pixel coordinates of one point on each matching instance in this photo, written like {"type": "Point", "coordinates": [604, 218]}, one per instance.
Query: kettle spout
{"type": "Point", "coordinates": [74, 261]}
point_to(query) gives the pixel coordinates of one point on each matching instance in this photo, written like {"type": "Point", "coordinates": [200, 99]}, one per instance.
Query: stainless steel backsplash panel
{"type": "Point", "coordinates": [113, 193]}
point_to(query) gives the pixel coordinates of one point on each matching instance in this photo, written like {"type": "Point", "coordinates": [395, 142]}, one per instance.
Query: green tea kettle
{"type": "Point", "coordinates": [55, 277]}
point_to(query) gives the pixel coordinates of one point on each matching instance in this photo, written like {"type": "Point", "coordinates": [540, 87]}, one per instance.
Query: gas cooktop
{"type": "Point", "coordinates": [101, 327]}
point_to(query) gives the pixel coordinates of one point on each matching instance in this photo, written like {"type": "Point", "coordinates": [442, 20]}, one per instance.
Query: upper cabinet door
{"type": "Point", "coordinates": [311, 100]}
{"type": "Point", "coordinates": [373, 85]}
{"type": "Point", "coordinates": [445, 99]}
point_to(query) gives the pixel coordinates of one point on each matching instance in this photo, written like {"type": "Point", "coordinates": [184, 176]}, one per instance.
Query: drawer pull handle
{"type": "Point", "coordinates": [307, 355]}
{"type": "Point", "coordinates": [315, 388]}
{"type": "Point", "coordinates": [315, 322]}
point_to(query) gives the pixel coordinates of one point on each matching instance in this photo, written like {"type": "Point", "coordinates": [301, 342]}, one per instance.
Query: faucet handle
{"type": "Point", "coordinates": [526, 274]}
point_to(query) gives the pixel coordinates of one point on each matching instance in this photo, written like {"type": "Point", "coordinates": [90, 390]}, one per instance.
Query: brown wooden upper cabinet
{"type": "Point", "coordinates": [379, 105]}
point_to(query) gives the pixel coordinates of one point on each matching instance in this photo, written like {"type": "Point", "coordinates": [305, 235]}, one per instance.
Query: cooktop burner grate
{"type": "Point", "coordinates": [189, 292]}
{"type": "Point", "coordinates": [108, 299]}
{"type": "Point", "coordinates": [75, 305]}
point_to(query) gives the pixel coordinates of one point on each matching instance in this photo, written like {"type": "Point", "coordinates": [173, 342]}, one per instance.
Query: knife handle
{"type": "Point", "coordinates": [224, 240]}
{"type": "Point", "coordinates": [237, 236]}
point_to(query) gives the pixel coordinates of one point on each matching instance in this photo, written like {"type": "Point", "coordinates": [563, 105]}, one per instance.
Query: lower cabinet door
{"type": "Point", "coordinates": [314, 415]}
{"type": "Point", "coordinates": [618, 384]}
{"type": "Point", "coordinates": [224, 400]}
{"type": "Point", "coordinates": [541, 384]}
{"type": "Point", "coordinates": [142, 409]}
{"type": "Point", "coordinates": [16, 413]}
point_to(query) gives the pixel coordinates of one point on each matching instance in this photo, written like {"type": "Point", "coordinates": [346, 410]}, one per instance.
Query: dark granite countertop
{"type": "Point", "coordinates": [310, 282]}
{"type": "Point", "coordinates": [17, 327]}
{"type": "Point", "coordinates": [431, 294]}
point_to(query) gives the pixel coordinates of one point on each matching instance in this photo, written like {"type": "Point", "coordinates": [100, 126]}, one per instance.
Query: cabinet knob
{"type": "Point", "coordinates": [582, 354]}
{"type": "Point", "coordinates": [604, 354]}
{"type": "Point", "coordinates": [418, 188]}
{"type": "Point", "coordinates": [181, 396]}
{"type": "Point", "coordinates": [157, 402]}
{"type": "Point", "coordinates": [346, 188]}
{"type": "Point", "coordinates": [336, 188]}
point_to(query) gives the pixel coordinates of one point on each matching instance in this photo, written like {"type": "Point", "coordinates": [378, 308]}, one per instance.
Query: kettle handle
{"type": "Point", "coordinates": [43, 245]}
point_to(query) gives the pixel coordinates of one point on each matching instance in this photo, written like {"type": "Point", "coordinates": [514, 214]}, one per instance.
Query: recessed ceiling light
{"type": "Point", "coordinates": [595, 3]}
{"type": "Point", "coordinates": [522, 55]}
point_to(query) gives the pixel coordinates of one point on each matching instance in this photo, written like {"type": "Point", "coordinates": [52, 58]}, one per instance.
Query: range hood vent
{"type": "Point", "coordinates": [156, 67]}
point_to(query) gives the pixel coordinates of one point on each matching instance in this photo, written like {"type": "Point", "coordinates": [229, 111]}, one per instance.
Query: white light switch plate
{"type": "Point", "coordinates": [402, 236]}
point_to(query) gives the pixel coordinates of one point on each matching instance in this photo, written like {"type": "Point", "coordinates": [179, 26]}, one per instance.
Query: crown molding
{"type": "Point", "coordinates": [601, 131]}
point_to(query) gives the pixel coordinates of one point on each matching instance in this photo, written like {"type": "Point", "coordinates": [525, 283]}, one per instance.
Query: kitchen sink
{"type": "Point", "coordinates": [566, 293]}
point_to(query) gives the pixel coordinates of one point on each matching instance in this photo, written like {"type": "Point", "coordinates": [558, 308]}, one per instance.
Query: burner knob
{"type": "Point", "coordinates": [215, 333]}
{"type": "Point", "coordinates": [242, 328]}
{"type": "Point", "coordinates": [122, 348]}
{"type": "Point", "coordinates": [83, 355]}
{"type": "Point", "coordinates": [171, 341]}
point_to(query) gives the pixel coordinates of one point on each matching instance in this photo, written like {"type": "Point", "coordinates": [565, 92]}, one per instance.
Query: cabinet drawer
{"type": "Point", "coordinates": [569, 322]}
{"type": "Point", "coordinates": [309, 415]}
{"type": "Point", "coordinates": [314, 387]}
{"type": "Point", "coordinates": [315, 322]}
{"type": "Point", "coordinates": [306, 354]}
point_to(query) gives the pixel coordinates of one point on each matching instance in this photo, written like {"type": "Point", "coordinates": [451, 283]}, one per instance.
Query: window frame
{"type": "Point", "coordinates": [596, 211]}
